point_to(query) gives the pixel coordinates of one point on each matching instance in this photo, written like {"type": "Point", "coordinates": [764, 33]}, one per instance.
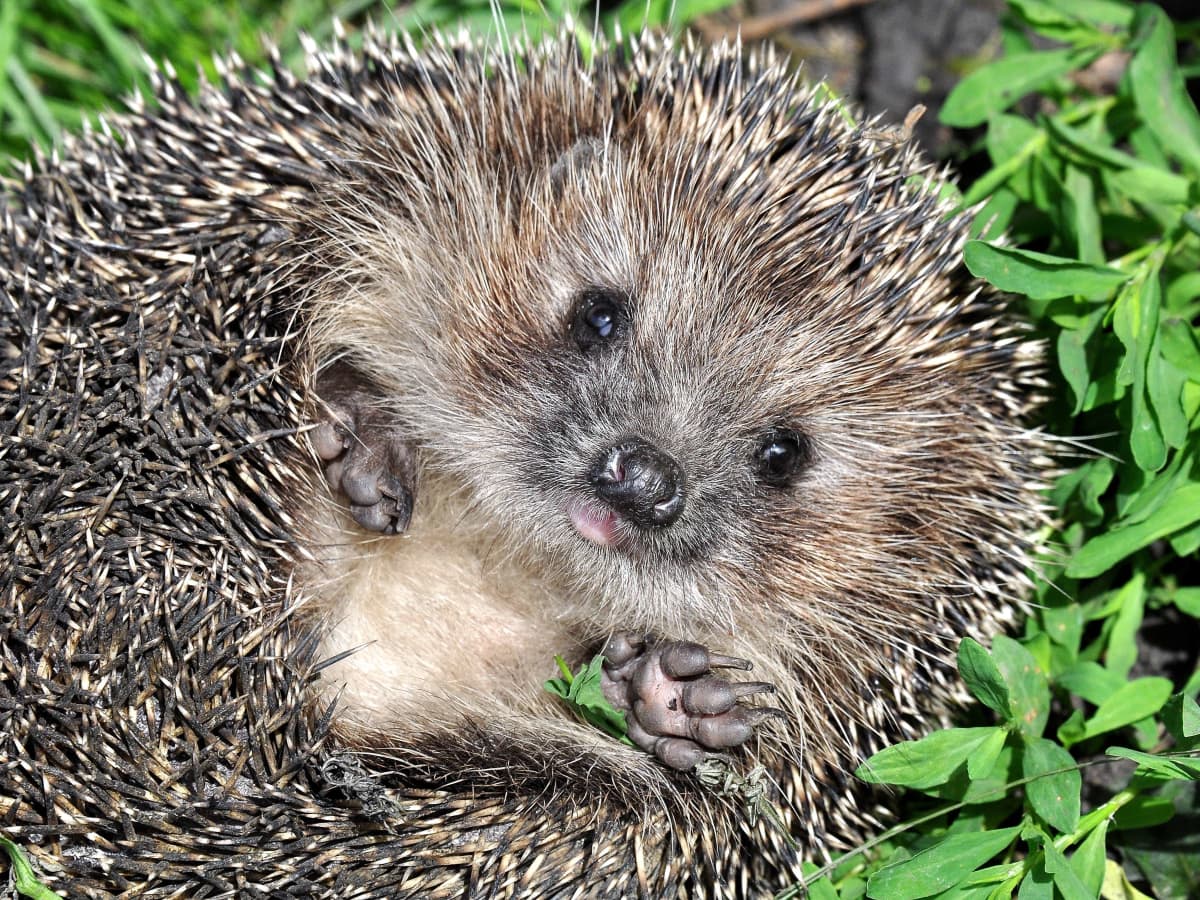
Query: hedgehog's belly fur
{"type": "Point", "coordinates": [438, 619]}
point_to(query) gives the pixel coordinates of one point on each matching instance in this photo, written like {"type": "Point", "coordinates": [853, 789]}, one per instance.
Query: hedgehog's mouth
{"type": "Point", "coordinates": [595, 523]}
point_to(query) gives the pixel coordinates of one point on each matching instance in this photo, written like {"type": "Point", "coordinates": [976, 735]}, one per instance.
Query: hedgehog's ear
{"type": "Point", "coordinates": [580, 156]}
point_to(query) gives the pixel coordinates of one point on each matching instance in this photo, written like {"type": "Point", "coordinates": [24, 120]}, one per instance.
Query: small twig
{"type": "Point", "coordinates": [799, 12]}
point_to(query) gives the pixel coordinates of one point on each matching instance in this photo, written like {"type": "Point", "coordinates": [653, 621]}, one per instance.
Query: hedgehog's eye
{"type": "Point", "coordinates": [780, 455]}
{"type": "Point", "coordinates": [598, 317]}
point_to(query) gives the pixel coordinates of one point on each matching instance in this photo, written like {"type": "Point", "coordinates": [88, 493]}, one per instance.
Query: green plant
{"type": "Point", "coordinates": [22, 877]}
{"type": "Point", "coordinates": [585, 697]}
{"type": "Point", "coordinates": [1094, 180]}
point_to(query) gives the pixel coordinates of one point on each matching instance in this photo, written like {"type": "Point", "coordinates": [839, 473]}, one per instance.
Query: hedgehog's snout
{"type": "Point", "coordinates": [641, 482]}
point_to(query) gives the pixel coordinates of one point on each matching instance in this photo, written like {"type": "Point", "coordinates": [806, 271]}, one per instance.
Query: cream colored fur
{"type": "Point", "coordinates": [438, 619]}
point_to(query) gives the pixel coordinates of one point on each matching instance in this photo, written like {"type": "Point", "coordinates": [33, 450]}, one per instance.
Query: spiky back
{"type": "Point", "coordinates": [155, 734]}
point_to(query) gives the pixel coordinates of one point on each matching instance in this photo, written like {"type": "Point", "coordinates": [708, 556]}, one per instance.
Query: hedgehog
{"type": "Point", "coordinates": [337, 406]}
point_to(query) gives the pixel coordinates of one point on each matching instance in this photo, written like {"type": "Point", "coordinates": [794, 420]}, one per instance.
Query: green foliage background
{"type": "Point", "coordinates": [1095, 180]}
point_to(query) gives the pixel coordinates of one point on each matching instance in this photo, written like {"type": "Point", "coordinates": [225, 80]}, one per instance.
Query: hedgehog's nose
{"type": "Point", "coordinates": [641, 482]}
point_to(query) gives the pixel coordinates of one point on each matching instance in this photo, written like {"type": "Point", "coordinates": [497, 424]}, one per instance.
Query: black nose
{"type": "Point", "coordinates": [641, 482]}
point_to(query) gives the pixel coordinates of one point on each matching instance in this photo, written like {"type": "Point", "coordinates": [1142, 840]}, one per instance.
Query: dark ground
{"type": "Point", "coordinates": [891, 55]}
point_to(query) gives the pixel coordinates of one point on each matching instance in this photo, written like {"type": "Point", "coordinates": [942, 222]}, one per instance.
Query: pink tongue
{"type": "Point", "coordinates": [597, 525]}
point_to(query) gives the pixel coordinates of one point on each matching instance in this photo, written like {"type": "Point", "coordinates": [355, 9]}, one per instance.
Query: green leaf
{"type": "Point", "coordinates": [1072, 211]}
{"type": "Point", "coordinates": [120, 49]}
{"type": "Point", "coordinates": [1182, 289]}
{"type": "Point", "coordinates": [1091, 681]}
{"type": "Point", "coordinates": [1102, 12]}
{"type": "Point", "coordinates": [1179, 346]}
{"type": "Point", "coordinates": [1145, 438]}
{"type": "Point", "coordinates": [1144, 812]}
{"type": "Point", "coordinates": [1038, 883]}
{"type": "Point", "coordinates": [1073, 356]}
{"type": "Point", "coordinates": [995, 215]}
{"type": "Point", "coordinates": [1054, 797]}
{"type": "Point", "coordinates": [922, 764]}
{"type": "Point", "coordinates": [1188, 600]}
{"type": "Point", "coordinates": [1145, 183]}
{"type": "Point", "coordinates": [1064, 626]}
{"type": "Point", "coordinates": [23, 877]}
{"type": "Point", "coordinates": [966, 892]}
{"type": "Point", "coordinates": [822, 888]}
{"type": "Point", "coordinates": [998, 85]}
{"type": "Point", "coordinates": [1065, 879]}
{"type": "Point", "coordinates": [986, 786]}
{"type": "Point", "coordinates": [1074, 143]}
{"type": "Point", "coordinates": [686, 10]}
{"type": "Point", "coordinates": [1080, 188]}
{"type": "Point", "coordinates": [1086, 485]}
{"type": "Point", "coordinates": [939, 867]}
{"type": "Point", "coordinates": [1164, 385]}
{"type": "Point", "coordinates": [1139, 137]}
{"type": "Point", "coordinates": [26, 87]}
{"type": "Point", "coordinates": [1088, 861]}
{"type": "Point", "coordinates": [982, 761]}
{"type": "Point", "coordinates": [1071, 731]}
{"type": "Point", "coordinates": [1135, 322]}
{"type": "Point", "coordinates": [993, 181]}
{"type": "Point", "coordinates": [1039, 275]}
{"type": "Point", "coordinates": [1170, 859]}
{"type": "Point", "coordinates": [1147, 498]}
{"type": "Point", "coordinates": [1106, 550]}
{"type": "Point", "coordinates": [1028, 690]}
{"type": "Point", "coordinates": [1054, 23]}
{"type": "Point", "coordinates": [1181, 715]}
{"type": "Point", "coordinates": [585, 695]}
{"type": "Point", "coordinates": [983, 677]}
{"type": "Point", "coordinates": [1131, 703]}
{"type": "Point", "coordinates": [1122, 641]}
{"type": "Point", "coordinates": [1116, 884]}
{"type": "Point", "coordinates": [1183, 768]}
{"type": "Point", "coordinates": [1011, 136]}
{"type": "Point", "coordinates": [10, 17]}
{"type": "Point", "coordinates": [1159, 91]}
{"type": "Point", "coordinates": [1185, 542]}
{"type": "Point", "coordinates": [1189, 717]}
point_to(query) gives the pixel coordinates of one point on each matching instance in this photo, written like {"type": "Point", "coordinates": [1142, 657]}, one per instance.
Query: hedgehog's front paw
{"type": "Point", "coordinates": [675, 707]}
{"type": "Point", "coordinates": [371, 467]}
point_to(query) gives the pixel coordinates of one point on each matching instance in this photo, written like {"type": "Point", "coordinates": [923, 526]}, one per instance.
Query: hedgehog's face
{"type": "Point", "coordinates": [637, 407]}
{"type": "Point", "coordinates": [653, 435]}
{"type": "Point", "coordinates": [644, 450]}
{"type": "Point", "coordinates": [637, 486]}
{"type": "Point", "coordinates": [692, 391]}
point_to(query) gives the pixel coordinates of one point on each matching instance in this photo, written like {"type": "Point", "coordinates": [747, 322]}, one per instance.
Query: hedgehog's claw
{"type": "Point", "coordinates": [372, 468]}
{"type": "Point", "coordinates": [675, 707]}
